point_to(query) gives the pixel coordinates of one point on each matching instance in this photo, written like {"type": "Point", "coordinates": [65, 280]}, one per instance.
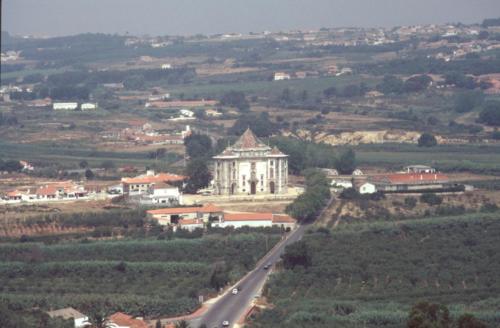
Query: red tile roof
{"type": "Point", "coordinates": [248, 216]}
{"type": "Point", "coordinates": [208, 208]}
{"type": "Point", "coordinates": [161, 177]}
{"type": "Point", "coordinates": [248, 140]}
{"type": "Point", "coordinates": [283, 219]}
{"type": "Point", "coordinates": [125, 320]}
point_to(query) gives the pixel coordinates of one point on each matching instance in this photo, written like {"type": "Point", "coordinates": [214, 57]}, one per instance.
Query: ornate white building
{"type": "Point", "coordinates": [250, 167]}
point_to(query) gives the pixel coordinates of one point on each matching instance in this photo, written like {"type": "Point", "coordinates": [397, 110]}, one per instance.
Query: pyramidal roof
{"type": "Point", "coordinates": [249, 140]}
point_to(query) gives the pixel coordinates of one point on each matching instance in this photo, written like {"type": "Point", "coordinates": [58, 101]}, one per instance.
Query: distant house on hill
{"type": "Point", "coordinates": [65, 106]}
{"type": "Point", "coordinates": [280, 76]}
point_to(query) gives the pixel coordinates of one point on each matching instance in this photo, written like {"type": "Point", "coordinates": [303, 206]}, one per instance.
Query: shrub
{"type": "Point", "coordinates": [431, 199]}
{"type": "Point", "coordinates": [427, 140]}
{"type": "Point", "coordinates": [410, 202]}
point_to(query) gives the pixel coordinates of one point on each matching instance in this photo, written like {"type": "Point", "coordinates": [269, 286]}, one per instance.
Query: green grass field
{"type": "Point", "coordinates": [71, 155]}
{"type": "Point", "coordinates": [473, 158]}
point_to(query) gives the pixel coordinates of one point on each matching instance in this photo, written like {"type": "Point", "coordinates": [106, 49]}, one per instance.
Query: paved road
{"type": "Point", "coordinates": [231, 307]}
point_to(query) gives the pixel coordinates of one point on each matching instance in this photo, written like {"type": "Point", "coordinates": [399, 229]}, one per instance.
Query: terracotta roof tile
{"type": "Point", "coordinates": [161, 177]}
{"type": "Point", "coordinates": [282, 218]}
{"type": "Point", "coordinates": [248, 216]}
{"type": "Point", "coordinates": [125, 320]}
{"type": "Point", "coordinates": [248, 140]}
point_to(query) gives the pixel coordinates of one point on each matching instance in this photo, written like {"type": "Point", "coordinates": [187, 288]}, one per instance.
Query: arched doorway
{"type": "Point", "coordinates": [271, 187]}
{"type": "Point", "coordinates": [253, 188]}
{"type": "Point", "coordinates": [233, 188]}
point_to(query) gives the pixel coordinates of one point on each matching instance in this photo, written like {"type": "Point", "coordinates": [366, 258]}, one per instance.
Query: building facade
{"type": "Point", "coordinates": [250, 167]}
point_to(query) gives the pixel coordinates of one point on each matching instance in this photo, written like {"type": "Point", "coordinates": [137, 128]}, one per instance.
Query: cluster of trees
{"type": "Point", "coordinates": [10, 166]}
{"type": "Point", "coordinates": [348, 91]}
{"type": "Point", "coordinates": [8, 119]}
{"type": "Point", "coordinates": [468, 101]}
{"type": "Point", "coordinates": [394, 85]}
{"type": "Point", "coordinates": [199, 149]}
{"type": "Point", "coordinates": [307, 206]}
{"type": "Point", "coordinates": [235, 99]}
{"type": "Point", "coordinates": [305, 154]}
{"type": "Point", "coordinates": [427, 140]}
{"type": "Point", "coordinates": [490, 114]}
{"type": "Point", "coordinates": [331, 278]}
{"type": "Point", "coordinates": [260, 124]}
{"type": "Point", "coordinates": [177, 271]}
{"type": "Point", "coordinates": [425, 314]}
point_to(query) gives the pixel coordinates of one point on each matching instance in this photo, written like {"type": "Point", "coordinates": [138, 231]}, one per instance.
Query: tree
{"type": "Point", "coordinates": [431, 199]}
{"type": "Point", "coordinates": [460, 80]}
{"type": "Point", "coordinates": [469, 321]}
{"type": "Point", "coordinates": [182, 324]}
{"type": "Point", "coordinates": [429, 315]}
{"type": "Point", "coordinates": [346, 163]}
{"type": "Point", "coordinates": [219, 276]}
{"type": "Point", "coordinates": [89, 174]}
{"type": "Point", "coordinates": [198, 175]}
{"type": "Point", "coordinates": [391, 84]}
{"type": "Point", "coordinates": [10, 166]}
{"type": "Point", "coordinates": [108, 164]}
{"type": "Point", "coordinates": [158, 324]}
{"type": "Point", "coordinates": [330, 92]}
{"type": "Point", "coordinates": [83, 164]}
{"type": "Point", "coordinates": [97, 319]}
{"type": "Point", "coordinates": [134, 82]}
{"type": "Point", "coordinates": [427, 140]}
{"type": "Point", "coordinates": [417, 83]}
{"type": "Point", "coordinates": [235, 99]}
{"type": "Point", "coordinates": [296, 254]}
{"type": "Point", "coordinates": [490, 114]}
{"type": "Point", "coordinates": [467, 101]}
{"type": "Point", "coordinates": [260, 125]}
{"type": "Point", "coordinates": [198, 145]}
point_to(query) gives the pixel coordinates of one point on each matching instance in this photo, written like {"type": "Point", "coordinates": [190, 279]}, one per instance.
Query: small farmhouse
{"type": "Point", "coordinates": [80, 320]}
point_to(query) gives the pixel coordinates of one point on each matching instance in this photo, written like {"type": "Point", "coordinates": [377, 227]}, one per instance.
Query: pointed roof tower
{"type": "Point", "coordinates": [249, 140]}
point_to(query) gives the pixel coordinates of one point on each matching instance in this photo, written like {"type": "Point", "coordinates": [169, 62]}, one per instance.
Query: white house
{"type": "Point", "coordinates": [340, 184]}
{"type": "Point", "coordinates": [162, 193]}
{"type": "Point", "coordinates": [367, 188]}
{"type": "Point", "coordinates": [65, 106]}
{"type": "Point", "coordinates": [357, 172]}
{"type": "Point", "coordinates": [81, 320]}
{"type": "Point", "coordinates": [88, 106]}
{"type": "Point", "coordinates": [187, 113]}
{"type": "Point", "coordinates": [166, 66]}
{"type": "Point", "coordinates": [172, 215]}
{"type": "Point", "coordinates": [280, 76]}
{"type": "Point", "coordinates": [248, 219]}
